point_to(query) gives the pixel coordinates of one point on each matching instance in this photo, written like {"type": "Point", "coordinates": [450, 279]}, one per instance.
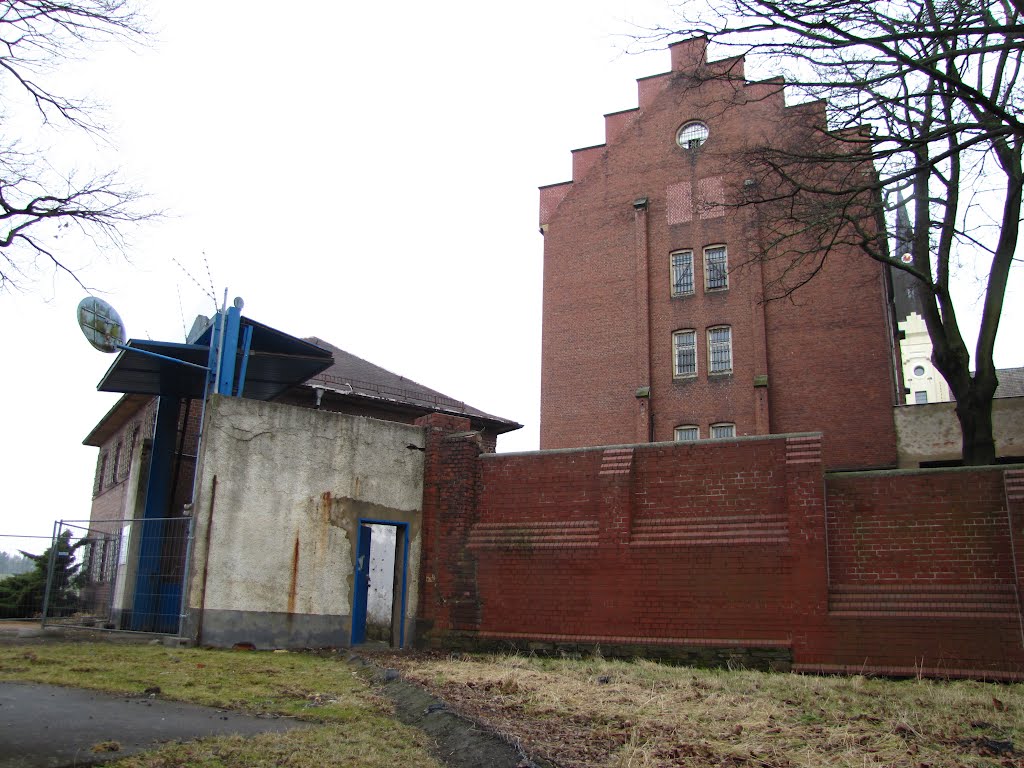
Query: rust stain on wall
{"type": "Point", "coordinates": [333, 511]}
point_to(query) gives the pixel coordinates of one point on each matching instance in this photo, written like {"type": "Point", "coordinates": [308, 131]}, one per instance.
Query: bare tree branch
{"type": "Point", "coordinates": [38, 202]}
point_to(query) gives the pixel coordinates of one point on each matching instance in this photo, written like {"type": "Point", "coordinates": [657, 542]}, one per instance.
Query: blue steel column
{"type": "Point", "coordinates": [227, 360]}
{"type": "Point", "coordinates": [146, 616]}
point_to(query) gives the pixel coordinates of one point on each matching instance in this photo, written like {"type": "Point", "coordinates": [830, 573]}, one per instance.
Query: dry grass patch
{"type": "Point", "coordinates": [608, 713]}
{"type": "Point", "coordinates": [329, 745]}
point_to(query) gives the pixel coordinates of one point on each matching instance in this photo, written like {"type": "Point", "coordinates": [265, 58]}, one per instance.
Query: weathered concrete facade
{"type": "Point", "coordinates": [931, 433]}
{"type": "Point", "coordinates": [279, 499]}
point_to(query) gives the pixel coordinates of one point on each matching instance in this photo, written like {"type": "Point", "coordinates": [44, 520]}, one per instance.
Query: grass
{"type": "Point", "coordinates": [607, 713]}
{"type": "Point", "coordinates": [574, 713]}
{"type": "Point", "coordinates": [356, 727]}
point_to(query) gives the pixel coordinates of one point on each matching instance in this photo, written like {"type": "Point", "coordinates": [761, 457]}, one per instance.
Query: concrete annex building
{"type": "Point", "coordinates": [654, 323]}
{"type": "Point", "coordinates": [336, 420]}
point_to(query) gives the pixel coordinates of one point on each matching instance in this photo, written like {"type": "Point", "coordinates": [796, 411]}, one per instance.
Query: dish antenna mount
{"type": "Point", "coordinates": [102, 326]}
{"type": "Point", "coordinates": [104, 329]}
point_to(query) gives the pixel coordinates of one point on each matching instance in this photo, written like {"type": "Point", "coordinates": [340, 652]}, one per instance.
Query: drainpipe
{"type": "Point", "coordinates": [644, 430]}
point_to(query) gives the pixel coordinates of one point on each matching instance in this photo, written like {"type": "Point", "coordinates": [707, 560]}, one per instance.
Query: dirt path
{"type": "Point", "coordinates": [461, 743]}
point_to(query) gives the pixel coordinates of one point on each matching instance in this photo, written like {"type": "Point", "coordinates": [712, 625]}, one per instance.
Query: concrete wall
{"type": "Point", "coordinates": [278, 502]}
{"type": "Point", "coordinates": [932, 433]}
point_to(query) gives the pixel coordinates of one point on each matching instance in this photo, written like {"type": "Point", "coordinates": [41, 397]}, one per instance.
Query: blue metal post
{"type": "Point", "coordinates": [227, 359]}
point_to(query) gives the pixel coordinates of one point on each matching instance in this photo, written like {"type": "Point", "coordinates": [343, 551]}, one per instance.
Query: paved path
{"type": "Point", "coordinates": [44, 726]}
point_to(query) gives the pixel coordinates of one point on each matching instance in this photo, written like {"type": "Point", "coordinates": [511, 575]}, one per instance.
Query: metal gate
{"type": "Point", "coordinates": [118, 574]}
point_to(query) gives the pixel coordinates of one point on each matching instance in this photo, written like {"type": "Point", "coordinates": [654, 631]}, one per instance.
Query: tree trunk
{"type": "Point", "coordinates": [975, 415]}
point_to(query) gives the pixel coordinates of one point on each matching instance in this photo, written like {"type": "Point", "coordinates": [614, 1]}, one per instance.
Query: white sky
{"type": "Point", "coordinates": [366, 173]}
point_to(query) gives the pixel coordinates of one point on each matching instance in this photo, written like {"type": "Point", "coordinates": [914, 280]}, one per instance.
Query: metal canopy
{"type": "Point", "coordinates": [276, 362]}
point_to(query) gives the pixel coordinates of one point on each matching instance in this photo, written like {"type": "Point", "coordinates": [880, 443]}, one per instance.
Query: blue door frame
{"type": "Point", "coordinates": [361, 583]}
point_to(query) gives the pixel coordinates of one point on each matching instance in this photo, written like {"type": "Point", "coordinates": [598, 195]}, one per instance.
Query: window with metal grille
{"type": "Point", "coordinates": [101, 470]}
{"type": "Point", "coordinates": [723, 430]}
{"type": "Point", "coordinates": [720, 349]}
{"type": "Point", "coordinates": [716, 268]}
{"type": "Point", "coordinates": [684, 348]}
{"type": "Point", "coordinates": [692, 135]}
{"type": "Point", "coordinates": [682, 273]}
{"type": "Point", "coordinates": [129, 453]}
{"type": "Point", "coordinates": [687, 434]}
{"type": "Point", "coordinates": [115, 467]}
{"type": "Point", "coordinates": [920, 398]}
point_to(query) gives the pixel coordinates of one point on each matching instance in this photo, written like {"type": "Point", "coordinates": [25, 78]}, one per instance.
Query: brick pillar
{"type": "Point", "coordinates": [805, 503]}
{"type": "Point", "coordinates": [1013, 484]}
{"type": "Point", "coordinates": [448, 595]}
{"type": "Point", "coordinates": [616, 476]}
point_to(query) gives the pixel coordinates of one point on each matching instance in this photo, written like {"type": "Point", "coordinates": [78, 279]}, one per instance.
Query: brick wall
{"type": "Point", "coordinates": [926, 560]}
{"type": "Point", "coordinates": [740, 549]}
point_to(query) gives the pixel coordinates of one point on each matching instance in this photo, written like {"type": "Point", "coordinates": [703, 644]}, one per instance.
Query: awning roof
{"type": "Point", "coordinates": [276, 362]}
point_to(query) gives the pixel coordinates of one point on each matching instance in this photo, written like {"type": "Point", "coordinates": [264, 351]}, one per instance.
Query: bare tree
{"type": "Point", "coordinates": [923, 100]}
{"type": "Point", "coordinates": [38, 200]}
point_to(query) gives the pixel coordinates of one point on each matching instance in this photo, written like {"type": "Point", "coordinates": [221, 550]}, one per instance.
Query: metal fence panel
{"type": "Point", "coordinates": [118, 574]}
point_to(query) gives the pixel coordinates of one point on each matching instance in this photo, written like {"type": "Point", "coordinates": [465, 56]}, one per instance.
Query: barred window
{"type": "Point", "coordinates": [720, 349]}
{"type": "Point", "coordinates": [684, 348]}
{"type": "Point", "coordinates": [920, 398]}
{"type": "Point", "coordinates": [133, 439]}
{"type": "Point", "coordinates": [687, 433]}
{"type": "Point", "coordinates": [682, 273]}
{"type": "Point", "coordinates": [692, 135]}
{"type": "Point", "coordinates": [115, 469]}
{"type": "Point", "coordinates": [101, 470]}
{"type": "Point", "coordinates": [723, 430]}
{"type": "Point", "coordinates": [716, 268]}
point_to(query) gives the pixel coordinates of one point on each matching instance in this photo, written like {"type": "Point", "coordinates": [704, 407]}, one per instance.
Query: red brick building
{"type": "Point", "coordinates": [655, 327]}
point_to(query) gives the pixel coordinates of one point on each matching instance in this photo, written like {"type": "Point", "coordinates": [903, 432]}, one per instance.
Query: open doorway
{"type": "Point", "coordinates": [378, 602]}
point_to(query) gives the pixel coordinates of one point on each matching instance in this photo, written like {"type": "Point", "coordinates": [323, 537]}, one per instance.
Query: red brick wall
{"type": "Point", "coordinates": [607, 269]}
{"type": "Point", "coordinates": [722, 545]}
{"type": "Point", "coordinates": [925, 560]}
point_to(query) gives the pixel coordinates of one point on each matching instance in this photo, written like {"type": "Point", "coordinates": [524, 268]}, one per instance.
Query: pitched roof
{"type": "Point", "coordinates": [1011, 382]}
{"type": "Point", "coordinates": [351, 375]}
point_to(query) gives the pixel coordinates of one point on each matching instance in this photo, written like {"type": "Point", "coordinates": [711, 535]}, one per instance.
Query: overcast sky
{"type": "Point", "coordinates": [365, 173]}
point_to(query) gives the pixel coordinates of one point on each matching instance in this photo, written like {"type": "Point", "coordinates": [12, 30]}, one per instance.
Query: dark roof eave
{"type": "Point", "coordinates": [498, 424]}
{"type": "Point", "coordinates": [125, 407]}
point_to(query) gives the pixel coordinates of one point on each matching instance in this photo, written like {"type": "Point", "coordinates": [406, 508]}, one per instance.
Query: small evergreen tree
{"type": "Point", "coordinates": [21, 596]}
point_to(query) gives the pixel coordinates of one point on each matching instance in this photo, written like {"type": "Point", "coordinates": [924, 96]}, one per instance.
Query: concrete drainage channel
{"type": "Point", "coordinates": [461, 743]}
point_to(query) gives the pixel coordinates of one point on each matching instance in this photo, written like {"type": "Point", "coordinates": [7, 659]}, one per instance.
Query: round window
{"type": "Point", "coordinates": [919, 370]}
{"type": "Point", "coordinates": [692, 135]}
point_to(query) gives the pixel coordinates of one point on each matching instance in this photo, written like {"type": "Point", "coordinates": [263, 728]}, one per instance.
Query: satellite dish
{"type": "Point", "coordinates": [101, 324]}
